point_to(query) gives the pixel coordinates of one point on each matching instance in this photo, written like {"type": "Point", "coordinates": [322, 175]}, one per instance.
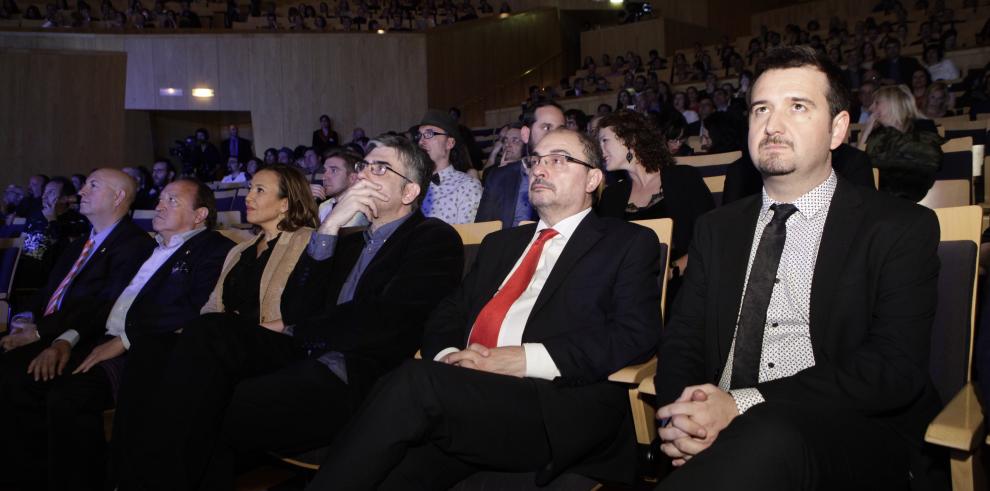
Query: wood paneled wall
{"type": "Point", "coordinates": [663, 34]}
{"type": "Point", "coordinates": [800, 13]}
{"type": "Point", "coordinates": [61, 112]}
{"type": "Point", "coordinates": [377, 82]}
{"type": "Point", "coordinates": [491, 63]}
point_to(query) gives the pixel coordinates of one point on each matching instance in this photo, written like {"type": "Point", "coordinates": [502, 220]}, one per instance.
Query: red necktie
{"type": "Point", "coordinates": [56, 299]}
{"type": "Point", "coordinates": [489, 321]}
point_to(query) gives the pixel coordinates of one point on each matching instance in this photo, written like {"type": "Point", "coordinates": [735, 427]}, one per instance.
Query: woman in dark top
{"type": "Point", "coordinates": [653, 187]}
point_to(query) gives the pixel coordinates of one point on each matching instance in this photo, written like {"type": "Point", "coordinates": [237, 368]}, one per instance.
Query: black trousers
{"type": "Point", "coordinates": [55, 435]}
{"type": "Point", "coordinates": [795, 447]}
{"type": "Point", "coordinates": [174, 442]}
{"type": "Point", "coordinates": [429, 425]}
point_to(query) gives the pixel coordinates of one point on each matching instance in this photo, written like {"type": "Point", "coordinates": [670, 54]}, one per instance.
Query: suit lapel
{"type": "Point", "coordinates": [844, 217]}
{"type": "Point", "coordinates": [165, 270]}
{"type": "Point", "coordinates": [389, 245]}
{"type": "Point", "coordinates": [587, 234]}
{"type": "Point", "coordinates": [738, 240]}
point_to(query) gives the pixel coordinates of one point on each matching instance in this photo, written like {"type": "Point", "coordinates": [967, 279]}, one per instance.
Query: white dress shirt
{"type": "Point", "coordinates": [539, 364]}
{"type": "Point", "coordinates": [786, 346]}
{"type": "Point", "coordinates": [239, 177]}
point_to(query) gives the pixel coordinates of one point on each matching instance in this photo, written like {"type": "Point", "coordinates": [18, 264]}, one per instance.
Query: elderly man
{"type": "Point", "coordinates": [69, 315]}
{"type": "Point", "coordinates": [516, 360]}
{"type": "Point", "coordinates": [797, 355]}
{"type": "Point", "coordinates": [453, 196]}
{"type": "Point", "coordinates": [506, 195]}
{"type": "Point", "coordinates": [384, 283]}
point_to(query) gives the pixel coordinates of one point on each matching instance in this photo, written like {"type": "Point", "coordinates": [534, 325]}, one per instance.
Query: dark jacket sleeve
{"type": "Point", "coordinates": [741, 180]}
{"type": "Point", "coordinates": [853, 164]}
{"type": "Point", "coordinates": [691, 199]}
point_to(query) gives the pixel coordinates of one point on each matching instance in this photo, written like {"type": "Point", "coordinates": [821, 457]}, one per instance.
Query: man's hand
{"type": "Point", "coordinates": [276, 325]}
{"type": "Point", "coordinates": [362, 197]}
{"type": "Point", "coordinates": [318, 191]}
{"type": "Point", "coordinates": [507, 360]}
{"type": "Point", "coordinates": [50, 362]}
{"type": "Point", "coordinates": [19, 336]}
{"type": "Point", "coordinates": [696, 418]}
{"type": "Point", "coordinates": [110, 349]}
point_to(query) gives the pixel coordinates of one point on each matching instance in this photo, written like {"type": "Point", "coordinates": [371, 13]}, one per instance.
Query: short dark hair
{"type": "Point", "coordinates": [349, 157]}
{"type": "Point", "coordinates": [204, 132]}
{"type": "Point", "coordinates": [419, 165]}
{"type": "Point", "coordinates": [529, 117]}
{"type": "Point", "coordinates": [803, 56]}
{"type": "Point", "coordinates": [68, 189]}
{"type": "Point", "coordinates": [204, 198]}
{"type": "Point", "coordinates": [639, 134]}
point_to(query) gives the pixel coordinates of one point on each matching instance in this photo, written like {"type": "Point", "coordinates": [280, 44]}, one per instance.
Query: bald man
{"type": "Point", "coordinates": [69, 316]}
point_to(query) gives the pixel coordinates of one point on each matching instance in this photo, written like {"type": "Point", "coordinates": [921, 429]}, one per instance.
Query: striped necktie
{"type": "Point", "coordinates": [56, 299]}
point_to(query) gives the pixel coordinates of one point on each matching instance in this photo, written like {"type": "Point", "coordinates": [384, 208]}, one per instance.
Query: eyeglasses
{"type": "Point", "coordinates": [427, 134]}
{"type": "Point", "coordinates": [377, 168]}
{"type": "Point", "coordinates": [554, 161]}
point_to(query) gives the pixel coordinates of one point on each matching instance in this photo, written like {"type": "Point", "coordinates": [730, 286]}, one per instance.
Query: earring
{"type": "Point", "coordinates": [629, 156]}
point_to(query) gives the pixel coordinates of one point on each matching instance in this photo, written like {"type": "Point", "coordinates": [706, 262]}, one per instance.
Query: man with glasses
{"type": "Point", "coordinates": [453, 196]}
{"type": "Point", "coordinates": [515, 362]}
{"type": "Point", "coordinates": [384, 283]}
{"type": "Point", "coordinates": [506, 195]}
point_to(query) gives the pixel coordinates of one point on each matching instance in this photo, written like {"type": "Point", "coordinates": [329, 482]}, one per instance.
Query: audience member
{"type": "Point", "coordinates": [453, 196]}
{"type": "Point", "coordinates": [47, 233]}
{"type": "Point", "coordinates": [271, 156]}
{"type": "Point", "coordinates": [904, 147]}
{"type": "Point", "coordinates": [507, 188]}
{"type": "Point", "coordinates": [67, 318]}
{"type": "Point", "coordinates": [141, 177]}
{"type": "Point", "coordinates": [680, 104]}
{"type": "Point", "coordinates": [253, 166]}
{"type": "Point", "coordinates": [894, 68]}
{"type": "Point", "coordinates": [264, 279]}
{"type": "Point", "coordinates": [705, 108]}
{"type": "Point", "coordinates": [338, 175]}
{"type": "Point", "coordinates": [162, 173]}
{"type": "Point", "coordinates": [31, 203]}
{"type": "Point", "coordinates": [235, 146]}
{"type": "Point", "coordinates": [791, 407]}
{"type": "Point", "coordinates": [865, 96]}
{"type": "Point", "coordinates": [13, 195]}
{"type": "Point", "coordinates": [206, 158]}
{"type": "Point", "coordinates": [482, 398]}
{"type": "Point", "coordinates": [939, 67]}
{"type": "Point", "coordinates": [309, 164]}
{"type": "Point", "coordinates": [938, 100]}
{"type": "Point", "coordinates": [235, 172]}
{"type": "Point", "coordinates": [920, 80]}
{"type": "Point", "coordinates": [78, 180]}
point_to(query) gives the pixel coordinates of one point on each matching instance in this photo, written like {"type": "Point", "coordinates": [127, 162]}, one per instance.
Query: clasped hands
{"type": "Point", "coordinates": [507, 360]}
{"type": "Point", "coordinates": [694, 421]}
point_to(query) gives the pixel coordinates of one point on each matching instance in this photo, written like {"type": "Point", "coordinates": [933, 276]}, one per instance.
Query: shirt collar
{"type": "Point", "coordinates": [446, 173]}
{"type": "Point", "coordinates": [99, 237]}
{"type": "Point", "coordinates": [381, 234]}
{"type": "Point", "coordinates": [178, 239]}
{"type": "Point", "coordinates": [811, 202]}
{"type": "Point", "coordinates": [566, 227]}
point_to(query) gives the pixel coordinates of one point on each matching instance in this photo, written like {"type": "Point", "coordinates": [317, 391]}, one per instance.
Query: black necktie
{"type": "Point", "coordinates": [753, 316]}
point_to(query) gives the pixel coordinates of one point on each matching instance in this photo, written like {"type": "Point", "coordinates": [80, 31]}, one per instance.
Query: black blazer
{"type": "Point", "coordinates": [873, 302]}
{"type": "Point", "coordinates": [598, 312]}
{"type": "Point", "coordinates": [498, 200]}
{"type": "Point", "coordinates": [382, 325]}
{"type": "Point", "coordinates": [906, 66]}
{"type": "Point", "coordinates": [174, 294]}
{"type": "Point", "coordinates": [742, 179]}
{"type": "Point", "coordinates": [693, 129]}
{"type": "Point", "coordinates": [91, 295]}
{"type": "Point", "coordinates": [322, 143]}
{"type": "Point", "coordinates": [244, 150]}
{"type": "Point", "coordinates": [685, 195]}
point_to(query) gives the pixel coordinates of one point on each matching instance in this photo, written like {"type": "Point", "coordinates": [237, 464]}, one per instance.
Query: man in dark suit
{"type": "Point", "coordinates": [235, 146]}
{"type": "Point", "coordinates": [506, 193]}
{"type": "Point", "coordinates": [743, 179]}
{"type": "Point", "coordinates": [797, 357]}
{"type": "Point", "coordinates": [516, 360]}
{"type": "Point", "coordinates": [894, 68]}
{"type": "Point", "coordinates": [705, 108]}
{"type": "Point", "coordinates": [325, 137]}
{"type": "Point", "coordinates": [69, 315]}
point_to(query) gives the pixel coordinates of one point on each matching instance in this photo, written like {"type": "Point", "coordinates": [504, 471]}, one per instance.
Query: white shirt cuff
{"type": "Point", "coordinates": [445, 352]}
{"type": "Point", "coordinates": [127, 342]}
{"type": "Point", "coordinates": [71, 336]}
{"type": "Point", "coordinates": [26, 316]}
{"type": "Point", "coordinates": [746, 398]}
{"type": "Point", "coordinates": [539, 364]}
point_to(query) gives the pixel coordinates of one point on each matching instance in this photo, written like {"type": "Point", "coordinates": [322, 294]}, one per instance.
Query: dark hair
{"type": "Point", "coordinates": [939, 50]}
{"type": "Point", "coordinates": [727, 130]}
{"type": "Point", "coordinates": [529, 117]}
{"type": "Point", "coordinates": [606, 106]}
{"type": "Point", "coordinates": [803, 56]}
{"type": "Point", "coordinates": [455, 111]}
{"type": "Point", "coordinates": [294, 186]}
{"type": "Point", "coordinates": [324, 116]}
{"type": "Point", "coordinates": [204, 198]}
{"type": "Point", "coordinates": [579, 117]}
{"type": "Point", "coordinates": [204, 132]}
{"type": "Point", "coordinates": [641, 136]}
{"type": "Point", "coordinates": [350, 158]}
{"type": "Point", "coordinates": [419, 166]}
{"type": "Point", "coordinates": [68, 189]}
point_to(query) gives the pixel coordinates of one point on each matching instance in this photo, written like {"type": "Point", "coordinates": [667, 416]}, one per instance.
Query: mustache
{"type": "Point", "coordinates": [776, 140]}
{"type": "Point", "coordinates": [542, 182]}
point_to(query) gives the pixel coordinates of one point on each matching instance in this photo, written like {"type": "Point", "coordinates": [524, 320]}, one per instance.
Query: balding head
{"type": "Point", "coordinates": [106, 197]}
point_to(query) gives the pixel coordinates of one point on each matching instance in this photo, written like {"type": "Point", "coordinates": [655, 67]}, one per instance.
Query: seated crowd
{"type": "Point", "coordinates": [794, 354]}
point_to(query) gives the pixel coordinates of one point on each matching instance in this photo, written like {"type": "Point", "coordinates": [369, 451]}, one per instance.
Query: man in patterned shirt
{"type": "Point", "coordinates": [453, 195]}
{"type": "Point", "coordinates": [810, 307]}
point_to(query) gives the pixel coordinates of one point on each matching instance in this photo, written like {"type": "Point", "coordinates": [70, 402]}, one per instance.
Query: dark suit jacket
{"type": "Point", "coordinates": [597, 313]}
{"type": "Point", "coordinates": [498, 200]}
{"type": "Point", "coordinates": [873, 302]}
{"type": "Point", "coordinates": [906, 66]}
{"type": "Point", "coordinates": [321, 143]}
{"type": "Point", "coordinates": [742, 179]}
{"type": "Point", "coordinates": [174, 294]}
{"type": "Point", "coordinates": [383, 324]}
{"type": "Point", "coordinates": [91, 295]}
{"type": "Point", "coordinates": [244, 149]}
{"type": "Point", "coordinates": [685, 197]}
{"type": "Point", "coordinates": [693, 129]}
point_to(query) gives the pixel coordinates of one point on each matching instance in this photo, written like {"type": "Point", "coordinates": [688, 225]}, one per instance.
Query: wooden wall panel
{"type": "Point", "coordinates": [62, 111]}
{"type": "Point", "coordinates": [378, 82]}
{"type": "Point", "coordinates": [639, 37]}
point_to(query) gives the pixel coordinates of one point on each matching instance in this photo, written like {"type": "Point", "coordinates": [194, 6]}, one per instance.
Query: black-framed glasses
{"type": "Point", "coordinates": [428, 134]}
{"type": "Point", "coordinates": [554, 160]}
{"type": "Point", "coordinates": [378, 168]}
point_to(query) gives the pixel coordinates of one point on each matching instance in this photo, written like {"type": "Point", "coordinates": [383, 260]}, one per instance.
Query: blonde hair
{"type": "Point", "coordinates": [900, 109]}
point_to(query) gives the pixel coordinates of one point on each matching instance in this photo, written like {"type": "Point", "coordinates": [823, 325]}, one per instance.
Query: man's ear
{"type": "Point", "coordinates": [524, 134]}
{"type": "Point", "coordinates": [201, 213]}
{"type": "Point", "coordinates": [410, 193]}
{"type": "Point", "coordinates": [840, 126]}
